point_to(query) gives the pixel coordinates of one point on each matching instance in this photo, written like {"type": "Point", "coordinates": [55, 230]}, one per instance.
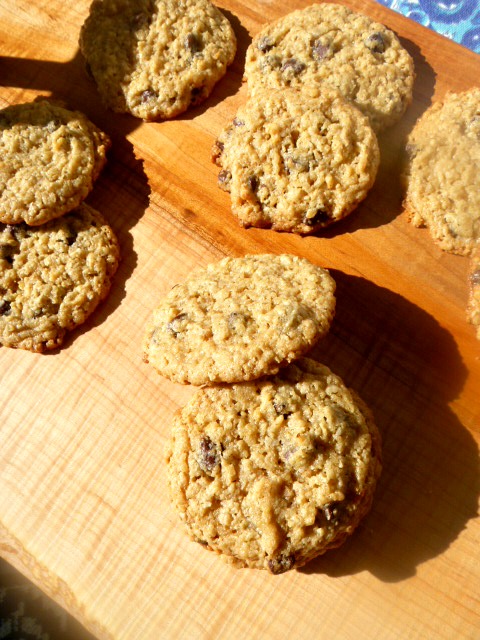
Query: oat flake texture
{"type": "Point", "coordinates": [240, 318]}
{"type": "Point", "coordinates": [275, 472]}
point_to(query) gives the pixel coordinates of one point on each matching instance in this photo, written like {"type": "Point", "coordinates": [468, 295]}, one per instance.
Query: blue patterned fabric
{"type": "Point", "coordinates": [458, 20]}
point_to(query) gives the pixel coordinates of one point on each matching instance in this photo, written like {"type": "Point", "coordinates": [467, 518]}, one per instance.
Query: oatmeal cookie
{"type": "Point", "coordinates": [275, 472]}
{"type": "Point", "coordinates": [156, 58]}
{"type": "Point", "coordinates": [329, 43]}
{"type": "Point", "coordinates": [49, 159]}
{"type": "Point", "coordinates": [295, 160]}
{"type": "Point", "coordinates": [473, 308]}
{"type": "Point", "coordinates": [442, 178]}
{"type": "Point", "coordinates": [53, 276]}
{"type": "Point", "coordinates": [239, 319]}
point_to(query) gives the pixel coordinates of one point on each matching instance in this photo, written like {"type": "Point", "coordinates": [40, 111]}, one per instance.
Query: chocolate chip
{"type": "Point", "coordinates": [6, 252]}
{"type": "Point", "coordinates": [281, 563]}
{"type": "Point", "coordinates": [5, 308]}
{"type": "Point", "coordinates": [177, 325]}
{"type": "Point", "coordinates": [264, 44]}
{"type": "Point", "coordinates": [208, 457]}
{"type": "Point", "coordinates": [197, 94]}
{"type": "Point", "coordinates": [334, 512]}
{"type": "Point", "coordinates": [294, 65]}
{"type": "Point", "coordinates": [224, 178]}
{"type": "Point", "coordinates": [148, 95]}
{"type": "Point", "coordinates": [252, 182]}
{"type": "Point", "coordinates": [376, 42]}
{"type": "Point", "coordinates": [281, 408]}
{"type": "Point", "coordinates": [321, 217]}
{"type": "Point", "coordinates": [320, 51]}
{"type": "Point", "coordinates": [193, 43]}
{"type": "Point", "coordinates": [475, 278]}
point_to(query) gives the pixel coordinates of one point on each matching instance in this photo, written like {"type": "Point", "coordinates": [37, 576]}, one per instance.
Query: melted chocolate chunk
{"type": "Point", "coordinates": [376, 42]}
{"type": "Point", "coordinates": [224, 178]}
{"type": "Point", "coordinates": [148, 95]}
{"type": "Point", "coordinates": [177, 325]}
{"type": "Point", "coordinates": [281, 563]}
{"type": "Point", "coordinates": [294, 65]}
{"type": "Point", "coordinates": [193, 43]}
{"type": "Point", "coordinates": [264, 44]}
{"type": "Point", "coordinates": [208, 457]}
{"type": "Point", "coordinates": [253, 183]}
{"type": "Point", "coordinates": [320, 51]}
{"type": "Point", "coordinates": [281, 408]}
{"type": "Point", "coordinates": [321, 217]}
{"type": "Point", "coordinates": [5, 308]}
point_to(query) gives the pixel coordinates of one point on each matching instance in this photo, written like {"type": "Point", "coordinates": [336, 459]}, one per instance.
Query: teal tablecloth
{"type": "Point", "coordinates": [458, 20]}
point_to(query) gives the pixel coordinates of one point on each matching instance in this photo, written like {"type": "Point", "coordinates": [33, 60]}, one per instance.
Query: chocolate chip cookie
{"type": "Point", "coordinates": [473, 308]}
{"type": "Point", "coordinates": [296, 160]}
{"type": "Point", "coordinates": [239, 319]}
{"type": "Point", "coordinates": [442, 177]}
{"type": "Point", "coordinates": [49, 159]}
{"type": "Point", "coordinates": [53, 276]}
{"type": "Point", "coordinates": [275, 472]}
{"type": "Point", "coordinates": [329, 43]}
{"type": "Point", "coordinates": [156, 58]}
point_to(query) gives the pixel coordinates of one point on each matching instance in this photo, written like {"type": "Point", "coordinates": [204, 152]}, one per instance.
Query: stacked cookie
{"type": "Point", "coordinates": [442, 180]}
{"type": "Point", "coordinates": [155, 59]}
{"type": "Point", "coordinates": [302, 153]}
{"type": "Point", "coordinates": [274, 460]}
{"type": "Point", "coordinates": [57, 254]}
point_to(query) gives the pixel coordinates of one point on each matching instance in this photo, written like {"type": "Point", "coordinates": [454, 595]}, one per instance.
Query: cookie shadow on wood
{"type": "Point", "coordinates": [121, 194]}
{"type": "Point", "coordinates": [407, 368]}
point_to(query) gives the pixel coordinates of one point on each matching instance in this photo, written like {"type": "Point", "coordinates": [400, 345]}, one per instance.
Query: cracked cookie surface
{"type": "Point", "coordinates": [295, 160]}
{"type": "Point", "coordinates": [53, 276]}
{"type": "Point", "coordinates": [275, 472]}
{"type": "Point", "coordinates": [329, 43]}
{"type": "Point", "coordinates": [239, 319]}
{"type": "Point", "coordinates": [156, 58]}
{"type": "Point", "coordinates": [442, 177]}
{"type": "Point", "coordinates": [49, 159]}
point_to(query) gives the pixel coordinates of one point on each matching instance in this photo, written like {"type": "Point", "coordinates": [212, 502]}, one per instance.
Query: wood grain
{"type": "Point", "coordinates": [83, 502]}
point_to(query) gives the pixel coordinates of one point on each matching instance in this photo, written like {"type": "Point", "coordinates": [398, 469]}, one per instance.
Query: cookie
{"type": "Point", "coordinates": [473, 308]}
{"type": "Point", "coordinates": [442, 179]}
{"type": "Point", "coordinates": [329, 43]}
{"type": "Point", "coordinates": [53, 276]}
{"type": "Point", "coordinates": [275, 472]}
{"type": "Point", "coordinates": [239, 319]}
{"type": "Point", "coordinates": [49, 159]}
{"type": "Point", "coordinates": [156, 58]}
{"type": "Point", "coordinates": [295, 160]}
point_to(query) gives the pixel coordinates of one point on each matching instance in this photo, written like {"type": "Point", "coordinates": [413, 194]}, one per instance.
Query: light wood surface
{"type": "Point", "coordinates": [83, 503]}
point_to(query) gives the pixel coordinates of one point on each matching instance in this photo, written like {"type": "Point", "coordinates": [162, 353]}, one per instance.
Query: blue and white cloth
{"type": "Point", "coordinates": [458, 20]}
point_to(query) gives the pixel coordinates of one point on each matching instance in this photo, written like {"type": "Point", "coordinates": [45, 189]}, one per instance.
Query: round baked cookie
{"type": "Point", "coordinates": [239, 319]}
{"type": "Point", "coordinates": [49, 159]}
{"type": "Point", "coordinates": [329, 43]}
{"type": "Point", "coordinates": [296, 160]}
{"type": "Point", "coordinates": [156, 58]}
{"type": "Point", "coordinates": [275, 472]}
{"type": "Point", "coordinates": [473, 308]}
{"type": "Point", "coordinates": [53, 276]}
{"type": "Point", "coordinates": [442, 175]}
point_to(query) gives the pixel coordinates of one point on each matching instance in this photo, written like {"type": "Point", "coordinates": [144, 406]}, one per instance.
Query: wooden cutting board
{"type": "Point", "coordinates": [83, 501]}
